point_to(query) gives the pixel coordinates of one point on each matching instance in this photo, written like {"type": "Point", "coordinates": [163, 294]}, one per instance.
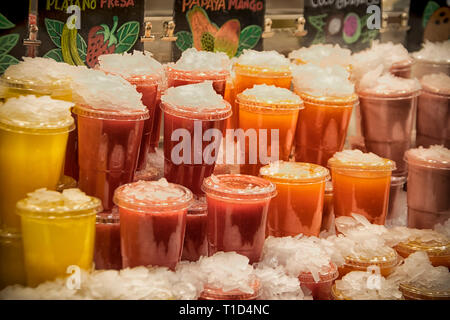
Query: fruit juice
{"type": "Point", "coordinates": [428, 186]}
{"type": "Point", "coordinates": [327, 213]}
{"type": "Point", "coordinates": [192, 109]}
{"type": "Point", "coordinates": [433, 111]}
{"type": "Point", "coordinates": [107, 242]}
{"type": "Point", "coordinates": [58, 231]}
{"type": "Point", "coordinates": [267, 108]}
{"type": "Point", "coordinates": [361, 184]}
{"type": "Point", "coordinates": [11, 260]}
{"type": "Point", "coordinates": [213, 293]}
{"type": "Point", "coordinates": [195, 239]}
{"type": "Point", "coordinates": [237, 213]}
{"type": "Point", "coordinates": [33, 138]}
{"type": "Point", "coordinates": [438, 250]}
{"type": "Point", "coordinates": [156, 128]}
{"type": "Point", "coordinates": [297, 207]}
{"type": "Point", "coordinates": [152, 222]}
{"type": "Point", "coordinates": [320, 290]}
{"type": "Point", "coordinates": [411, 292]}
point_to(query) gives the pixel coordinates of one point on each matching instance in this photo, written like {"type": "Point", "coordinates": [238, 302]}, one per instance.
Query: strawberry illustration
{"type": "Point", "coordinates": [101, 40]}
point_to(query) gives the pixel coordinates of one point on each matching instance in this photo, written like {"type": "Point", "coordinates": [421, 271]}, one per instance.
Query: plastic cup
{"type": "Point", "coordinates": [395, 211]}
{"type": "Point", "coordinates": [438, 250]}
{"type": "Point", "coordinates": [12, 270]}
{"type": "Point", "coordinates": [411, 292]}
{"type": "Point", "coordinates": [428, 192]}
{"type": "Point", "coordinates": [328, 212]}
{"type": "Point", "coordinates": [230, 97]}
{"type": "Point", "coordinates": [237, 213]}
{"type": "Point", "coordinates": [361, 188]}
{"type": "Point", "coordinates": [59, 90]}
{"type": "Point", "coordinates": [152, 226]}
{"type": "Point", "coordinates": [387, 124]}
{"type": "Point", "coordinates": [320, 290]}
{"type": "Point", "coordinates": [107, 242]}
{"type": "Point", "coordinates": [297, 207]}
{"type": "Point", "coordinates": [191, 173]}
{"type": "Point", "coordinates": [268, 116]}
{"type": "Point", "coordinates": [57, 237]}
{"type": "Point", "coordinates": [386, 262]}
{"type": "Point", "coordinates": [109, 144]}
{"type": "Point", "coordinates": [30, 158]}
{"type": "Point", "coordinates": [195, 238]}
{"type": "Point", "coordinates": [402, 69]}
{"type": "Point", "coordinates": [323, 127]}
{"type": "Point", "coordinates": [213, 293]}
{"type": "Point", "coordinates": [422, 67]}
{"type": "Point", "coordinates": [433, 117]}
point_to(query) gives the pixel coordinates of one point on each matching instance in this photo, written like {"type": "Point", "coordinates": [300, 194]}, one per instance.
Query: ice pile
{"type": "Point", "coordinates": [325, 82]}
{"type": "Point", "coordinates": [36, 112]}
{"type": "Point", "coordinates": [127, 65]}
{"type": "Point", "coordinates": [358, 157]}
{"type": "Point", "coordinates": [323, 55]}
{"type": "Point", "coordinates": [382, 83]}
{"type": "Point", "coordinates": [436, 154]}
{"type": "Point", "coordinates": [434, 52]}
{"type": "Point", "coordinates": [271, 95]}
{"type": "Point", "coordinates": [443, 228]}
{"type": "Point", "coordinates": [150, 191]}
{"type": "Point", "coordinates": [437, 82]}
{"type": "Point", "coordinates": [192, 59]}
{"type": "Point", "coordinates": [294, 170]}
{"type": "Point", "coordinates": [397, 235]}
{"type": "Point", "coordinates": [199, 96]}
{"type": "Point", "coordinates": [108, 92]}
{"type": "Point", "coordinates": [267, 59]}
{"type": "Point", "coordinates": [40, 71]}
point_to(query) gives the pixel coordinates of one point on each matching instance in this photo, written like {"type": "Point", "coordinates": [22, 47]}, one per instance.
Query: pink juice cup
{"type": "Point", "coordinates": [195, 238]}
{"type": "Point", "coordinates": [107, 242]}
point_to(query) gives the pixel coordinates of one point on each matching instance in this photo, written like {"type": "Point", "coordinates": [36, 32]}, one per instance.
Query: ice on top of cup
{"type": "Point", "coordinates": [322, 81]}
{"type": "Point", "coordinates": [286, 170]}
{"type": "Point", "coordinates": [358, 159]}
{"type": "Point", "coordinates": [270, 94]}
{"type": "Point", "coordinates": [48, 201]}
{"type": "Point", "coordinates": [193, 59]}
{"type": "Point", "coordinates": [36, 112]}
{"type": "Point", "coordinates": [436, 82]}
{"type": "Point", "coordinates": [263, 59]}
{"type": "Point", "coordinates": [323, 55]}
{"type": "Point", "coordinates": [438, 52]}
{"type": "Point", "coordinates": [434, 156]}
{"type": "Point", "coordinates": [105, 92]}
{"type": "Point", "coordinates": [443, 228]}
{"type": "Point", "coordinates": [129, 65]}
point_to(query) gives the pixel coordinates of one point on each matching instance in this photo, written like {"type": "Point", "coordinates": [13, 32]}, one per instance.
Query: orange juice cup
{"type": "Point", "coordinates": [297, 207]}
{"type": "Point", "coordinates": [411, 292]}
{"type": "Point", "coordinates": [438, 250]}
{"type": "Point", "coordinates": [327, 213]}
{"type": "Point", "coordinates": [361, 183]}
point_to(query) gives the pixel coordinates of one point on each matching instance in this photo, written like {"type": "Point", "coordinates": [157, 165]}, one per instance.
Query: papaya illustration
{"type": "Point", "coordinates": [227, 38]}
{"type": "Point", "coordinates": [199, 23]}
{"type": "Point", "coordinates": [207, 41]}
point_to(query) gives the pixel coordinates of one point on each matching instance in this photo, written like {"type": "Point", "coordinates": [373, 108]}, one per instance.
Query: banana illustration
{"type": "Point", "coordinates": [74, 48]}
{"type": "Point", "coordinates": [69, 47]}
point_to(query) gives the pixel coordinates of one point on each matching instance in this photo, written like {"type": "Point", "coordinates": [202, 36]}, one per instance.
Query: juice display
{"type": "Point", "coordinates": [323, 124]}
{"type": "Point", "coordinates": [320, 290]}
{"type": "Point", "coordinates": [193, 115]}
{"type": "Point", "coordinates": [388, 105]}
{"type": "Point", "coordinates": [297, 207]}
{"type": "Point", "coordinates": [237, 213]}
{"type": "Point", "coordinates": [33, 138]}
{"type": "Point", "coordinates": [433, 57]}
{"type": "Point", "coordinates": [361, 184]}
{"type": "Point", "coordinates": [110, 120]}
{"type": "Point", "coordinates": [152, 222]}
{"type": "Point", "coordinates": [144, 72]}
{"type": "Point", "coordinates": [58, 231]}
{"type": "Point", "coordinates": [322, 55]}
{"type": "Point", "coordinates": [428, 186]}
{"type": "Point", "coordinates": [267, 110]}
{"type": "Point", "coordinates": [195, 238]}
{"type": "Point", "coordinates": [107, 253]}
{"type": "Point", "coordinates": [433, 111]}
{"type": "Point", "coordinates": [11, 260]}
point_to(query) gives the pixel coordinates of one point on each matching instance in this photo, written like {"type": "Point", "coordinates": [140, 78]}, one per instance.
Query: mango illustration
{"type": "Point", "coordinates": [227, 38]}
{"type": "Point", "coordinates": [199, 23]}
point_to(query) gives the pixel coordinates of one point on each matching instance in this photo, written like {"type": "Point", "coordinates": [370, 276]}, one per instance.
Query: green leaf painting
{"type": "Point", "coordinates": [5, 23]}
{"type": "Point", "coordinates": [6, 61]}
{"type": "Point", "coordinates": [184, 40]}
{"type": "Point", "coordinates": [82, 47]}
{"type": "Point", "coordinates": [249, 38]}
{"type": "Point", "coordinates": [8, 42]}
{"type": "Point", "coordinates": [55, 54]}
{"type": "Point", "coordinates": [430, 8]}
{"type": "Point", "coordinates": [127, 35]}
{"type": "Point", "coordinates": [54, 30]}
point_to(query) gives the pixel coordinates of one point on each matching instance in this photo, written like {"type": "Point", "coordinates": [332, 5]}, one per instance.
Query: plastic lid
{"type": "Point", "coordinates": [397, 181]}
{"type": "Point", "coordinates": [198, 206]}
{"type": "Point", "coordinates": [434, 248]}
{"type": "Point", "coordinates": [412, 291]}
{"type": "Point", "coordinates": [438, 83]}
{"type": "Point", "coordinates": [390, 259]}
{"type": "Point", "coordinates": [152, 196]}
{"type": "Point", "coordinates": [239, 187]}
{"type": "Point", "coordinates": [109, 114]}
{"type": "Point", "coordinates": [435, 156]}
{"type": "Point", "coordinates": [270, 97]}
{"type": "Point", "coordinates": [358, 160]}
{"type": "Point", "coordinates": [263, 71]}
{"type": "Point", "coordinates": [331, 101]}
{"type": "Point", "coordinates": [294, 172]}
{"type": "Point", "coordinates": [212, 293]}
{"type": "Point", "coordinates": [328, 273]}
{"type": "Point", "coordinates": [108, 217]}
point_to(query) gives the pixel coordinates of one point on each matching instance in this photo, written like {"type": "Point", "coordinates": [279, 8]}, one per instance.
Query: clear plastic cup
{"type": "Point", "coordinates": [237, 213]}
{"type": "Point", "coordinates": [422, 67]}
{"type": "Point", "coordinates": [320, 290]}
{"type": "Point", "coordinates": [411, 292]}
{"type": "Point", "coordinates": [12, 270]}
{"type": "Point", "coordinates": [108, 144]}
{"type": "Point", "coordinates": [386, 262]}
{"type": "Point", "coordinates": [152, 222]}
{"type": "Point", "coordinates": [402, 69]}
{"type": "Point", "coordinates": [57, 235]}
{"type": "Point", "coordinates": [107, 253]}
{"type": "Point", "coordinates": [213, 293]}
{"type": "Point", "coordinates": [328, 212]}
{"type": "Point", "coordinates": [59, 90]}
{"type": "Point", "coordinates": [297, 207]}
{"type": "Point", "coordinates": [323, 127]}
{"type": "Point", "coordinates": [195, 238]}
{"type": "Point", "coordinates": [395, 211]}
{"type": "Point", "coordinates": [438, 251]}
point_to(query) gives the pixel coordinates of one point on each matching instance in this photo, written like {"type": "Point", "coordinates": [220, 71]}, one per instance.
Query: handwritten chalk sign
{"type": "Point", "coordinates": [340, 22]}
{"type": "Point", "coordinates": [228, 26]}
{"type": "Point", "coordinates": [92, 28]}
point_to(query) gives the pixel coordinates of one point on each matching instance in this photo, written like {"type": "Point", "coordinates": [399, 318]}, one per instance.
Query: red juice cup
{"type": "Point", "coordinates": [192, 118]}
{"type": "Point", "coordinates": [321, 289]}
{"type": "Point", "coordinates": [237, 213]}
{"type": "Point", "coordinates": [152, 222]}
{"type": "Point", "coordinates": [107, 242]}
{"type": "Point", "coordinates": [195, 239]}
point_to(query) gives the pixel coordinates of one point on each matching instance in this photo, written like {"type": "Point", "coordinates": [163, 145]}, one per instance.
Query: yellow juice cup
{"type": "Point", "coordinates": [58, 231]}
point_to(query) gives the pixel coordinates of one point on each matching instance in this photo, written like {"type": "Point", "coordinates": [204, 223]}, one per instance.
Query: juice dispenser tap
{"type": "Point", "coordinates": [169, 28]}
{"type": "Point", "coordinates": [147, 31]}
{"type": "Point", "coordinates": [268, 33]}
{"type": "Point", "coordinates": [300, 32]}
